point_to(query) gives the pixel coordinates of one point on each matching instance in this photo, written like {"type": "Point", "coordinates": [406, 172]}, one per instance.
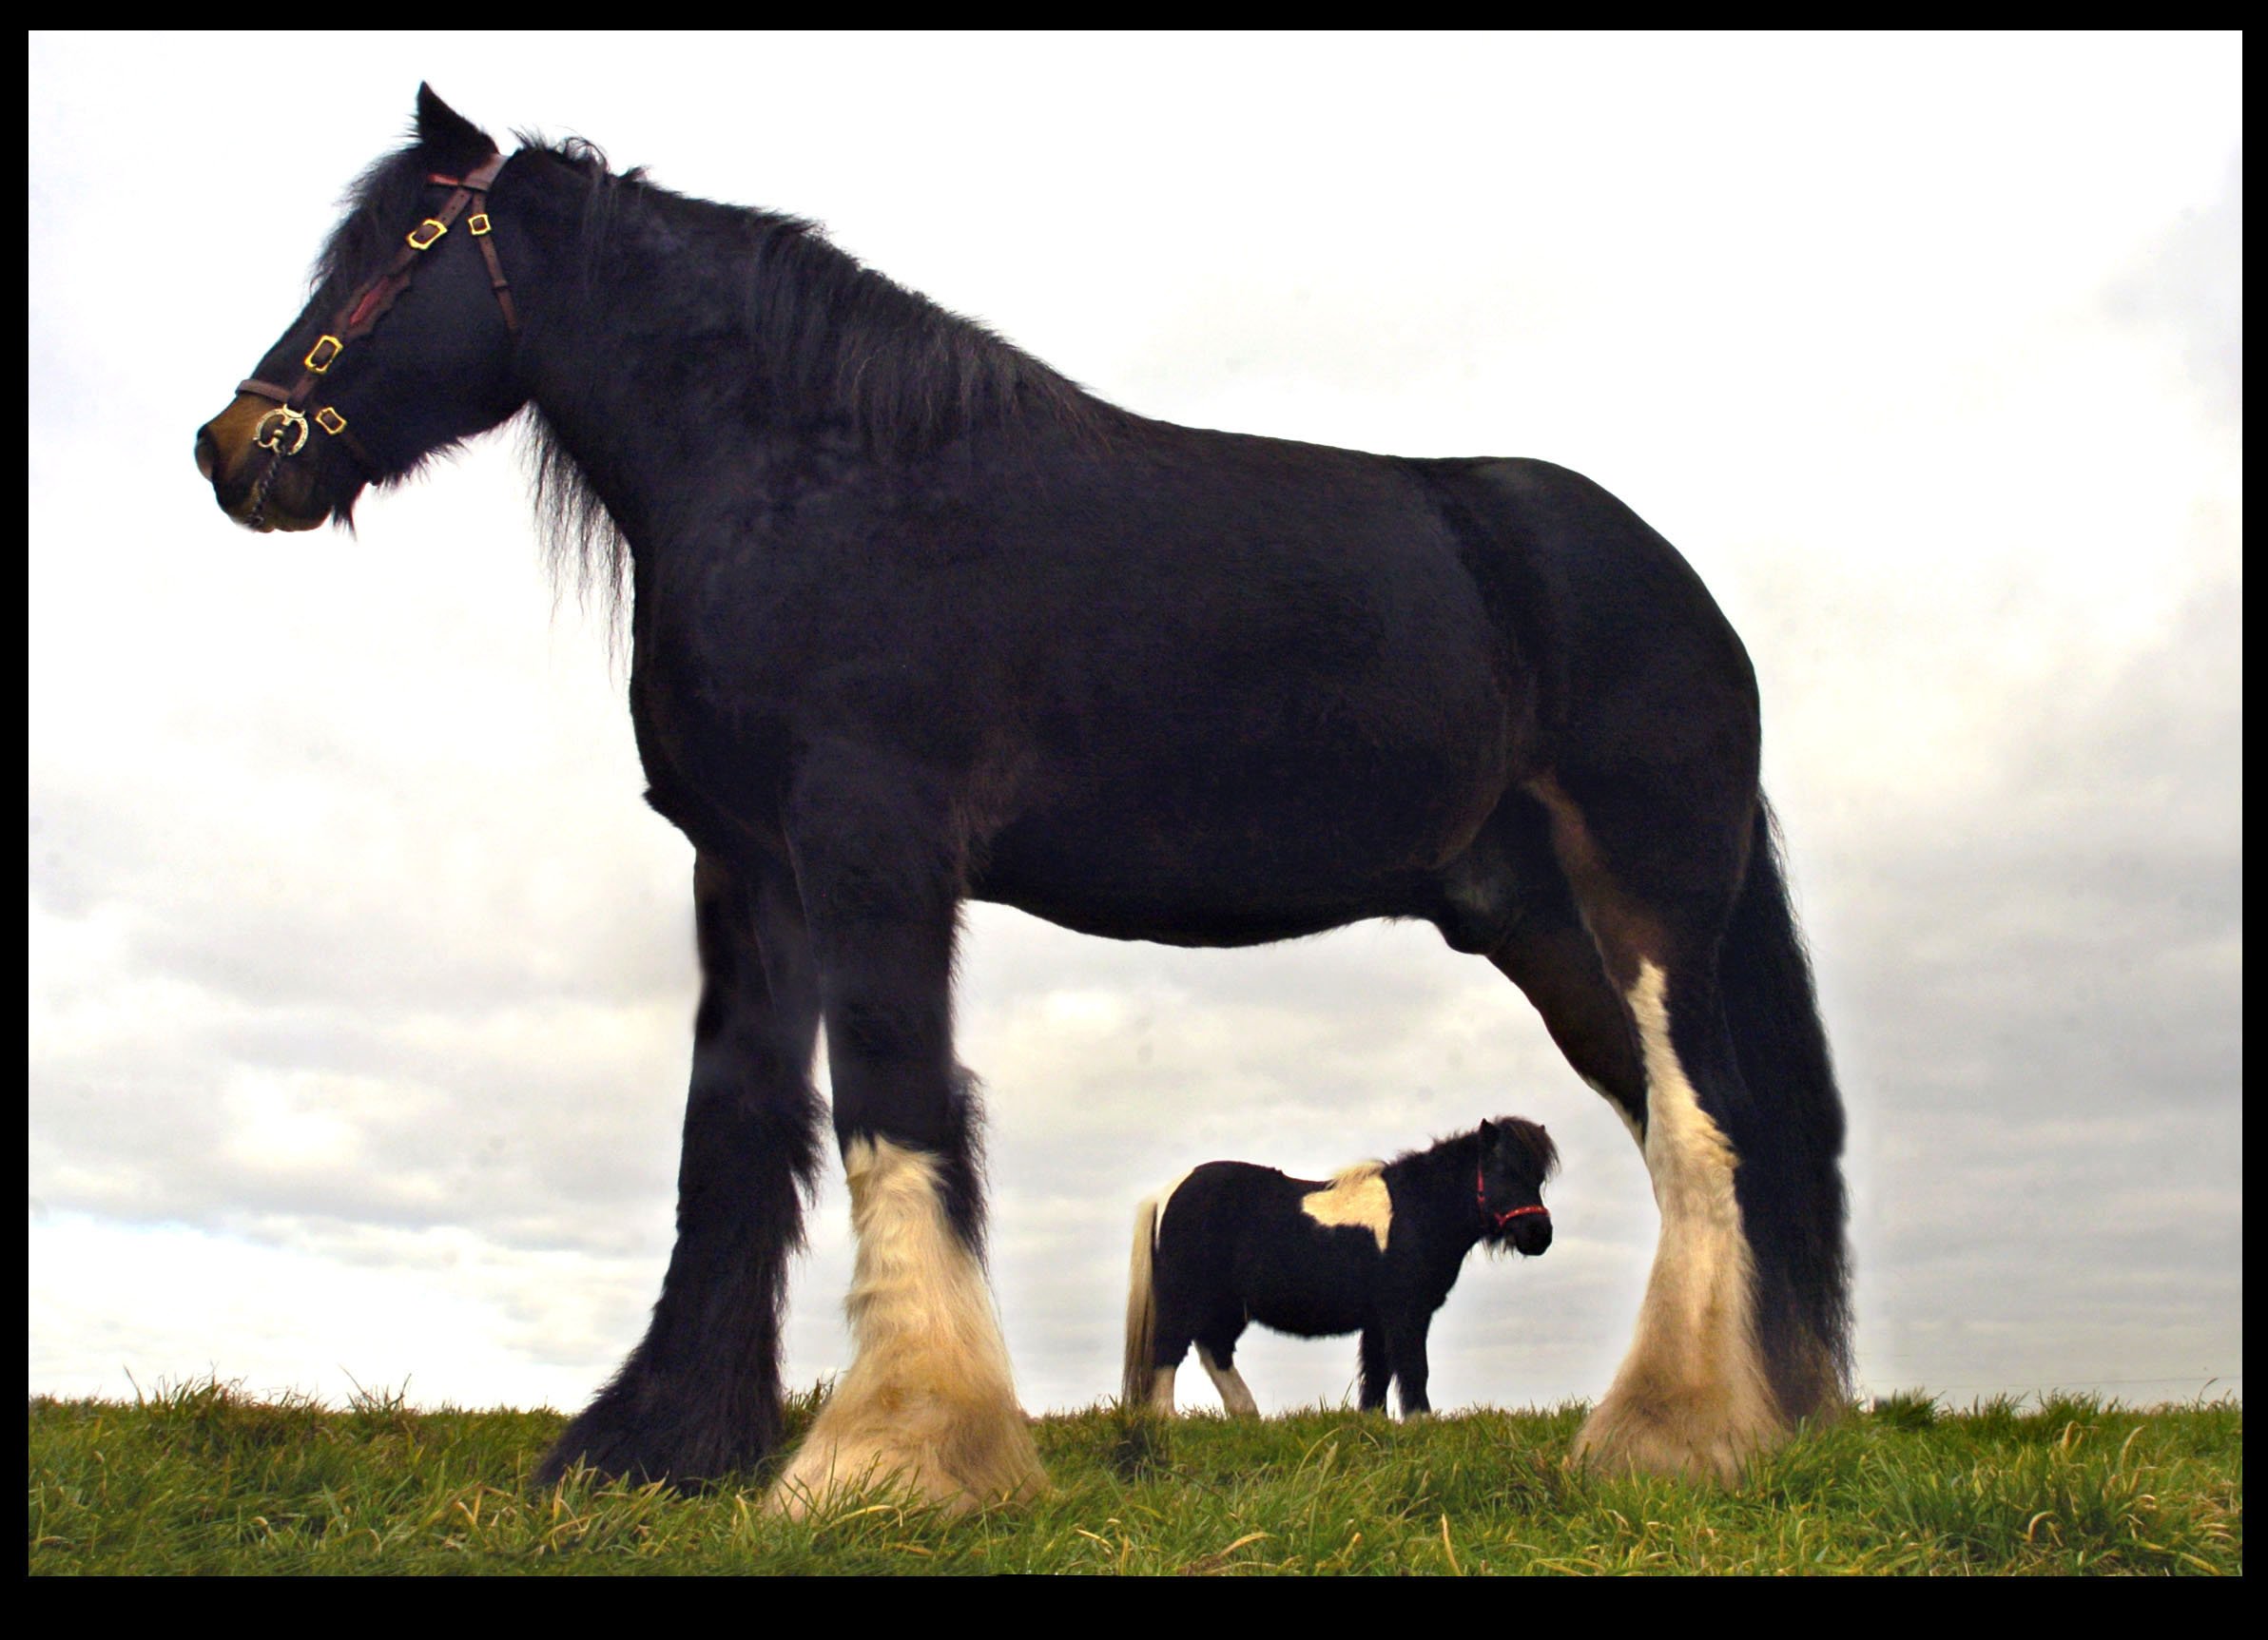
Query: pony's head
{"type": "Point", "coordinates": [1515, 1158]}
{"type": "Point", "coordinates": [405, 347]}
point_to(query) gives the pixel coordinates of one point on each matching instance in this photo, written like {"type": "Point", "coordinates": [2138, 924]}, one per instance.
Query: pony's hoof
{"type": "Point", "coordinates": [1624, 1436]}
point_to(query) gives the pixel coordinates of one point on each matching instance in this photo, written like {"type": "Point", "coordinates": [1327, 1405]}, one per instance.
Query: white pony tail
{"type": "Point", "coordinates": [1141, 1309]}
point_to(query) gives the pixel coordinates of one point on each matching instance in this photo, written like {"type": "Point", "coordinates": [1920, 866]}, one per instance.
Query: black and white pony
{"type": "Point", "coordinates": [914, 620]}
{"type": "Point", "coordinates": [1374, 1249]}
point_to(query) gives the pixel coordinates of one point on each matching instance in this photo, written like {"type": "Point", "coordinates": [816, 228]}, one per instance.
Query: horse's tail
{"type": "Point", "coordinates": [1790, 1137]}
{"type": "Point", "coordinates": [1141, 1310]}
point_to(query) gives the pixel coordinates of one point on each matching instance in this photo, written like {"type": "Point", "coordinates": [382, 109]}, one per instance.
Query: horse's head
{"type": "Point", "coordinates": [1515, 1158]}
{"type": "Point", "coordinates": [406, 346]}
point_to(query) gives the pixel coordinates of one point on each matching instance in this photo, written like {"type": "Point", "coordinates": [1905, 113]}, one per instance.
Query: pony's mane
{"type": "Point", "coordinates": [1355, 1172]}
{"type": "Point", "coordinates": [1533, 1143]}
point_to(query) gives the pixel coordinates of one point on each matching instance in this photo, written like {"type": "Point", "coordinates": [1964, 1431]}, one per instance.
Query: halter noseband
{"type": "Point", "coordinates": [1481, 1193]}
{"type": "Point", "coordinates": [282, 431]}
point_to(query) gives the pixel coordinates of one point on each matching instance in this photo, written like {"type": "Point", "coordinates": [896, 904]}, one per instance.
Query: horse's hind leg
{"type": "Point", "coordinates": [928, 1402]}
{"type": "Point", "coordinates": [1735, 1332]}
{"type": "Point", "coordinates": [699, 1397]}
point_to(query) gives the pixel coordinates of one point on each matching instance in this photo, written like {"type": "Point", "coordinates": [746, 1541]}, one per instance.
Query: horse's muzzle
{"type": "Point", "coordinates": [1531, 1235]}
{"type": "Point", "coordinates": [256, 486]}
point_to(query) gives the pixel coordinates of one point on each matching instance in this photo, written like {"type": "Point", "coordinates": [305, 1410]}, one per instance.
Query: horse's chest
{"type": "Point", "coordinates": [715, 763]}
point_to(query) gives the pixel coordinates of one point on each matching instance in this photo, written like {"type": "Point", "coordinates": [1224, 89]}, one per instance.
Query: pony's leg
{"type": "Point", "coordinates": [699, 1397]}
{"type": "Point", "coordinates": [1376, 1371]}
{"type": "Point", "coordinates": [928, 1402]}
{"type": "Point", "coordinates": [1171, 1351]}
{"type": "Point", "coordinates": [1236, 1397]}
{"type": "Point", "coordinates": [1405, 1348]}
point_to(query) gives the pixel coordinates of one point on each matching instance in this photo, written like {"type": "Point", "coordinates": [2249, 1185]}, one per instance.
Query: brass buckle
{"type": "Point", "coordinates": [323, 341]}
{"type": "Point", "coordinates": [286, 419]}
{"type": "Point", "coordinates": [476, 224]}
{"type": "Point", "coordinates": [330, 421]}
{"type": "Point", "coordinates": [437, 226]}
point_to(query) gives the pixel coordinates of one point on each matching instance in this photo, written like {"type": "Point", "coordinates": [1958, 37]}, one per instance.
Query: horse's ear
{"type": "Point", "coordinates": [452, 141]}
{"type": "Point", "coordinates": [1487, 1130]}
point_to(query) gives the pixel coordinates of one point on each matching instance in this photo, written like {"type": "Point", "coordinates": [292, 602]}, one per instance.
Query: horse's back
{"type": "Point", "coordinates": [1250, 688]}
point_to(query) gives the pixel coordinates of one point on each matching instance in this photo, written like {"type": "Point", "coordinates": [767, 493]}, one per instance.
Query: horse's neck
{"type": "Point", "coordinates": [697, 348]}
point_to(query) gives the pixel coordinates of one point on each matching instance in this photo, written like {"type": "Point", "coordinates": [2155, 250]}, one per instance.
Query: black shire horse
{"type": "Point", "coordinates": [914, 620]}
{"type": "Point", "coordinates": [1374, 1249]}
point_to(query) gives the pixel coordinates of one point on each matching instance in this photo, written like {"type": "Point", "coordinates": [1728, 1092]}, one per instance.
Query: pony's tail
{"type": "Point", "coordinates": [1141, 1310]}
{"type": "Point", "coordinates": [1790, 1138]}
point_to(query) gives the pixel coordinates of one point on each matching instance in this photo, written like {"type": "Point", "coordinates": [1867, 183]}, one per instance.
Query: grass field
{"type": "Point", "coordinates": [202, 1479]}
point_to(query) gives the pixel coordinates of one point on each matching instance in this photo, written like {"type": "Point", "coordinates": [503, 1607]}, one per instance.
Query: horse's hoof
{"type": "Point", "coordinates": [955, 1474]}
{"type": "Point", "coordinates": [1700, 1442]}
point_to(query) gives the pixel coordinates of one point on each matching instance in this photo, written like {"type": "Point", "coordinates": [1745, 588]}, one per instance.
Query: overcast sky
{"type": "Point", "coordinates": [361, 979]}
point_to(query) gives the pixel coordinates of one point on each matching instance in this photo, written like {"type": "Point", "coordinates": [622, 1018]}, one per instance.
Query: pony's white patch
{"type": "Point", "coordinates": [1235, 1397]}
{"type": "Point", "coordinates": [1356, 1196]}
{"type": "Point", "coordinates": [1691, 1393]}
{"type": "Point", "coordinates": [929, 1402]}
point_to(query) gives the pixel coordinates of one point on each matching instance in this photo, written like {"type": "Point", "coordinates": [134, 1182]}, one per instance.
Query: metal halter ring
{"type": "Point", "coordinates": [286, 419]}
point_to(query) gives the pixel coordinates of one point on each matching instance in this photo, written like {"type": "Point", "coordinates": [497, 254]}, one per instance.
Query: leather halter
{"type": "Point", "coordinates": [1480, 1192]}
{"type": "Point", "coordinates": [283, 429]}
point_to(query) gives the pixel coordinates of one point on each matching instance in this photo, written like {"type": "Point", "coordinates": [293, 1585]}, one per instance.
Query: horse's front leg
{"type": "Point", "coordinates": [699, 1397]}
{"type": "Point", "coordinates": [928, 1402]}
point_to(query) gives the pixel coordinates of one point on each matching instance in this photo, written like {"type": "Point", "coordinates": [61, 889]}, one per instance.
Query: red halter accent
{"type": "Point", "coordinates": [1481, 1193]}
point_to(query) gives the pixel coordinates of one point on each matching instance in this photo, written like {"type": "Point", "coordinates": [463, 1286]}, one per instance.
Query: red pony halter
{"type": "Point", "coordinates": [283, 429]}
{"type": "Point", "coordinates": [1480, 1192]}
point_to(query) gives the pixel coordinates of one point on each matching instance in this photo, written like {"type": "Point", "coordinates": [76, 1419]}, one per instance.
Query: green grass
{"type": "Point", "coordinates": [201, 1478]}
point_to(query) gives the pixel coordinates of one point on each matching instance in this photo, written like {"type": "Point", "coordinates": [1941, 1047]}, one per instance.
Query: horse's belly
{"type": "Point", "coordinates": [1217, 856]}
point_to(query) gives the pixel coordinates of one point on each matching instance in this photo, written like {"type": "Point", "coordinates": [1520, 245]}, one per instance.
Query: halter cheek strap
{"type": "Point", "coordinates": [1481, 1194]}
{"type": "Point", "coordinates": [283, 429]}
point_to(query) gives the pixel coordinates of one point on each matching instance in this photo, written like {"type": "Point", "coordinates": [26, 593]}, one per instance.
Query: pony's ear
{"type": "Point", "coordinates": [1487, 1130]}
{"type": "Point", "coordinates": [451, 143]}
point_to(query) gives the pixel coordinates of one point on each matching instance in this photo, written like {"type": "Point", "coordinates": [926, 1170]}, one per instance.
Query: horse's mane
{"type": "Point", "coordinates": [838, 338]}
{"type": "Point", "coordinates": [381, 203]}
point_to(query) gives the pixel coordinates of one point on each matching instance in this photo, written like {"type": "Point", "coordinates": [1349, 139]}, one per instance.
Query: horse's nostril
{"type": "Point", "coordinates": [208, 453]}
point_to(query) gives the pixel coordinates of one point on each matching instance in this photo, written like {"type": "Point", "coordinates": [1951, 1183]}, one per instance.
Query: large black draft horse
{"type": "Point", "coordinates": [916, 619]}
